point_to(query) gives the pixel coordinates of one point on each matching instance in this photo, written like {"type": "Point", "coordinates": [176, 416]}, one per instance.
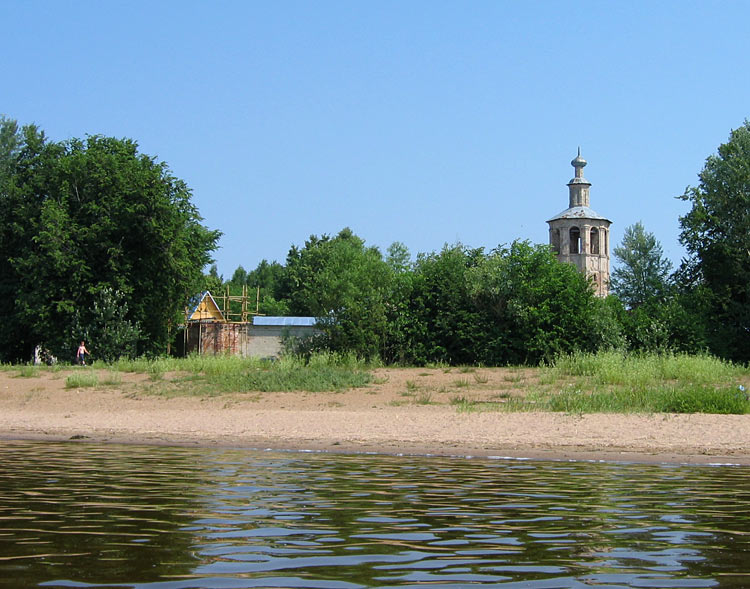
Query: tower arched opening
{"type": "Point", "coordinates": [575, 240]}
{"type": "Point", "coordinates": [594, 241]}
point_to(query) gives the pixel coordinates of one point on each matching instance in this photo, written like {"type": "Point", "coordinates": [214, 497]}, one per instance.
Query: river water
{"type": "Point", "coordinates": [87, 515]}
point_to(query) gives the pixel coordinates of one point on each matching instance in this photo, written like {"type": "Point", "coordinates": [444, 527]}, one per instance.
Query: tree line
{"type": "Point", "coordinates": [101, 242]}
{"type": "Point", "coordinates": [516, 303]}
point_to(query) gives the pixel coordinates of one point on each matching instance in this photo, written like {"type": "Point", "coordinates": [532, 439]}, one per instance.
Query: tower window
{"type": "Point", "coordinates": [575, 240]}
{"type": "Point", "coordinates": [594, 241]}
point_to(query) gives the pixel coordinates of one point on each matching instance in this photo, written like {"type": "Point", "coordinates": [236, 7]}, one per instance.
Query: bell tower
{"type": "Point", "coordinates": [579, 235]}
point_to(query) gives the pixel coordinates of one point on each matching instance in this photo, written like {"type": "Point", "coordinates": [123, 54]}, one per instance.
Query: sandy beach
{"type": "Point", "coordinates": [406, 411]}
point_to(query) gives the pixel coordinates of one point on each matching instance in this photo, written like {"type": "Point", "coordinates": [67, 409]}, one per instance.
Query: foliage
{"type": "Point", "coordinates": [85, 215]}
{"type": "Point", "coordinates": [345, 285]}
{"type": "Point", "coordinates": [106, 324]}
{"type": "Point", "coordinates": [79, 380]}
{"type": "Point", "coordinates": [212, 282]}
{"type": "Point", "coordinates": [537, 307]}
{"type": "Point", "coordinates": [643, 273]}
{"type": "Point", "coordinates": [267, 279]}
{"type": "Point", "coordinates": [433, 318]}
{"type": "Point", "coordinates": [398, 257]}
{"type": "Point", "coordinates": [716, 233]}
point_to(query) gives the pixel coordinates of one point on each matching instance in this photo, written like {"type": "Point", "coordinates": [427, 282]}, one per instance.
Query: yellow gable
{"type": "Point", "coordinates": [206, 310]}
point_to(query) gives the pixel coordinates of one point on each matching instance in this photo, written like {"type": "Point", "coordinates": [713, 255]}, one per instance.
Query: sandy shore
{"type": "Point", "coordinates": [391, 416]}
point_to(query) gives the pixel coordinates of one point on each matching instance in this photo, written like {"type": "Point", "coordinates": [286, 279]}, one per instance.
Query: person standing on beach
{"type": "Point", "coordinates": [81, 354]}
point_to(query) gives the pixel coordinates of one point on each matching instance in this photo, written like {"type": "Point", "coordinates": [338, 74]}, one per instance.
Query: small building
{"type": "Point", "coordinates": [579, 235]}
{"type": "Point", "coordinates": [208, 332]}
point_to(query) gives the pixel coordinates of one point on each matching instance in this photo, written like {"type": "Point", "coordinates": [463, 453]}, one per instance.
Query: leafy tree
{"type": "Point", "coordinates": [537, 306]}
{"type": "Point", "coordinates": [643, 273]}
{"type": "Point", "coordinates": [85, 215]}
{"type": "Point", "coordinates": [213, 282]}
{"type": "Point", "coordinates": [442, 324]}
{"type": "Point", "coordinates": [106, 323]}
{"type": "Point", "coordinates": [10, 142]}
{"type": "Point", "coordinates": [268, 278]}
{"type": "Point", "coordinates": [398, 257]}
{"type": "Point", "coordinates": [344, 284]}
{"type": "Point", "coordinates": [716, 233]}
{"type": "Point", "coordinates": [239, 278]}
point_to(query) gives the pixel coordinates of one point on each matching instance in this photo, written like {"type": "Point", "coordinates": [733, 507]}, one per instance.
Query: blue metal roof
{"type": "Point", "coordinates": [285, 321]}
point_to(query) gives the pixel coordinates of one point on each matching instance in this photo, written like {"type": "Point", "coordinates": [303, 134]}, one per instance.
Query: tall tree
{"type": "Point", "coordinates": [85, 215]}
{"type": "Point", "coordinates": [536, 306]}
{"type": "Point", "coordinates": [643, 271]}
{"type": "Point", "coordinates": [345, 284]}
{"type": "Point", "coordinates": [267, 279]}
{"type": "Point", "coordinates": [443, 323]}
{"type": "Point", "coordinates": [398, 257]}
{"type": "Point", "coordinates": [239, 278]}
{"type": "Point", "coordinates": [716, 233]}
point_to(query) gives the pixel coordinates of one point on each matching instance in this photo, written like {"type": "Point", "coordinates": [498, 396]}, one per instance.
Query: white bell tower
{"type": "Point", "coordinates": [579, 235]}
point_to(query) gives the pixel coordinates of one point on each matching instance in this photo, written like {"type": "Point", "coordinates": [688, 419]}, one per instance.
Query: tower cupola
{"type": "Point", "coordinates": [579, 186]}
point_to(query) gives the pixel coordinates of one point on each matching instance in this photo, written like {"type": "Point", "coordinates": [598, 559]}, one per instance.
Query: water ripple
{"type": "Point", "coordinates": [78, 515]}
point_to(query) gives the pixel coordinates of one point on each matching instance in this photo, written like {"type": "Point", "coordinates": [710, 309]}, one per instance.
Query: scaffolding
{"type": "Point", "coordinates": [226, 309]}
{"type": "Point", "coordinates": [235, 307]}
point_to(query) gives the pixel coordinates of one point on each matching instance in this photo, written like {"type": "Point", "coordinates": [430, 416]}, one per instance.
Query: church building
{"type": "Point", "coordinates": [579, 235]}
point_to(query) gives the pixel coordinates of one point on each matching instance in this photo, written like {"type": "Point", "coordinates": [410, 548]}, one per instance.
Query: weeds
{"type": "Point", "coordinates": [27, 371]}
{"type": "Point", "coordinates": [82, 379]}
{"type": "Point", "coordinates": [112, 378]}
{"type": "Point", "coordinates": [423, 399]}
{"type": "Point", "coordinates": [683, 399]}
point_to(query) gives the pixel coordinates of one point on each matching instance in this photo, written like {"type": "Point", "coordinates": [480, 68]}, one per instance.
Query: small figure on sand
{"type": "Point", "coordinates": [81, 354]}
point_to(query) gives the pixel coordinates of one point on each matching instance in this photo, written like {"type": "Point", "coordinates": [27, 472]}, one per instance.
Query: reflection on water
{"type": "Point", "coordinates": [120, 516]}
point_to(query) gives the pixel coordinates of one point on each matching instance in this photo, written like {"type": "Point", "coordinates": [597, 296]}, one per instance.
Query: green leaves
{"type": "Point", "coordinates": [85, 216]}
{"type": "Point", "coordinates": [345, 284]}
{"type": "Point", "coordinates": [537, 307]}
{"type": "Point", "coordinates": [716, 233]}
{"type": "Point", "coordinates": [643, 273]}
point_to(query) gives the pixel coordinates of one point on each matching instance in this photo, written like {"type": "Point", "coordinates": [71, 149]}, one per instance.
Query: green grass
{"type": "Point", "coordinates": [645, 370]}
{"type": "Point", "coordinates": [81, 379]}
{"type": "Point", "coordinates": [112, 378]}
{"type": "Point", "coordinates": [613, 382]}
{"type": "Point", "coordinates": [676, 399]}
{"type": "Point", "coordinates": [616, 382]}
{"type": "Point", "coordinates": [212, 375]}
{"type": "Point", "coordinates": [27, 371]}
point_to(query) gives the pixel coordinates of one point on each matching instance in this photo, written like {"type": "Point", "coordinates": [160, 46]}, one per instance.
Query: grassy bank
{"type": "Point", "coordinates": [611, 382]}
{"type": "Point", "coordinates": [213, 375]}
{"type": "Point", "coordinates": [616, 382]}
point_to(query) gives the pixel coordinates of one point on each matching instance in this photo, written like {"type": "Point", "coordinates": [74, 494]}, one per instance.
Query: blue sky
{"type": "Point", "coordinates": [415, 121]}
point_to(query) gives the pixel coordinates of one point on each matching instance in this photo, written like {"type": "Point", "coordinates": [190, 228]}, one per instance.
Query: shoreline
{"type": "Point", "coordinates": [378, 419]}
{"type": "Point", "coordinates": [559, 454]}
